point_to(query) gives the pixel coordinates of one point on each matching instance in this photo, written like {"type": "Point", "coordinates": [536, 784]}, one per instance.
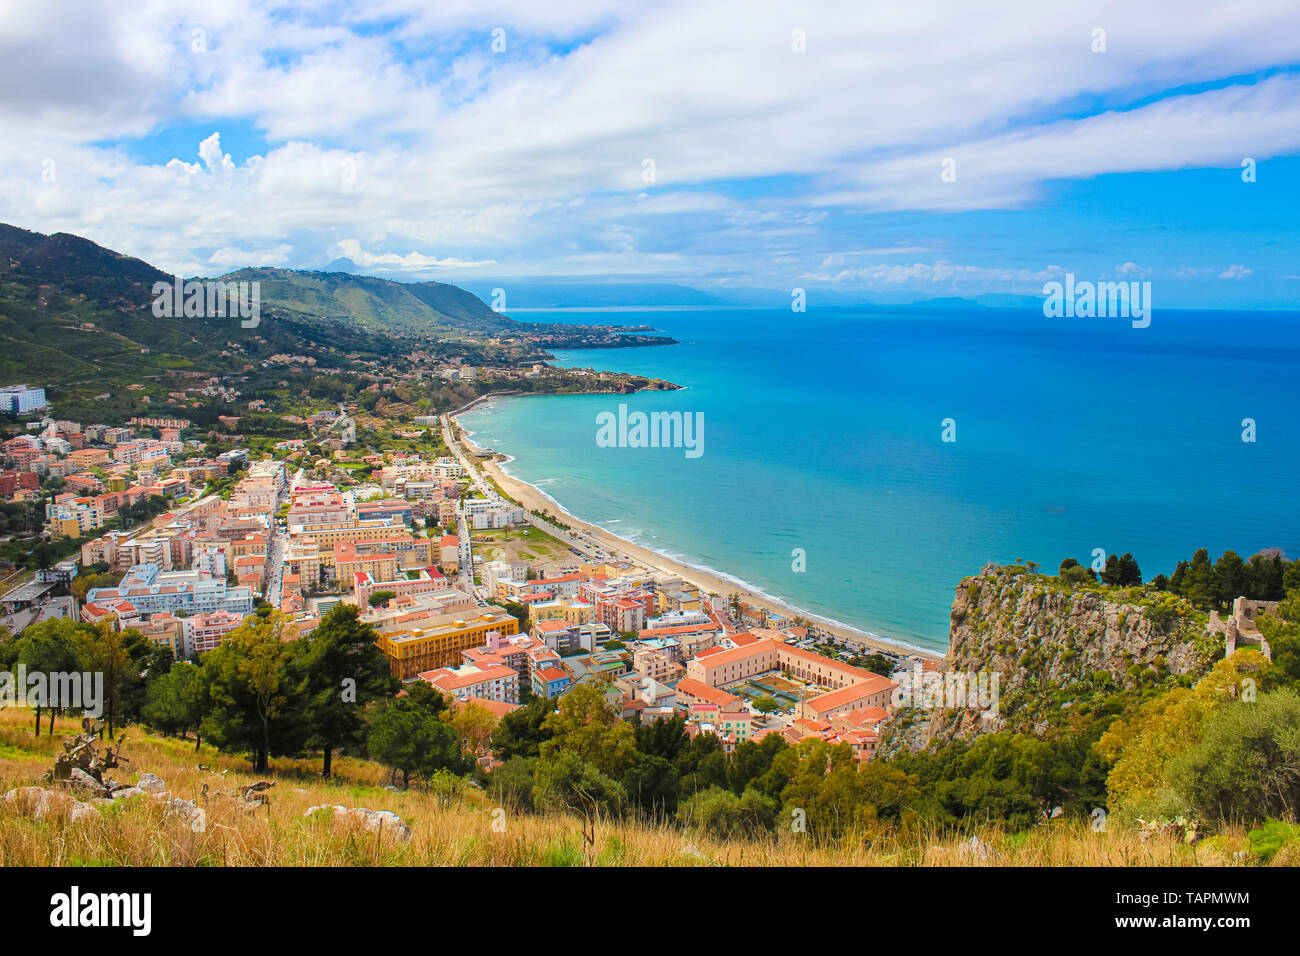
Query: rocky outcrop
{"type": "Point", "coordinates": [373, 821]}
{"type": "Point", "coordinates": [40, 804]}
{"type": "Point", "coordinates": [1049, 642]}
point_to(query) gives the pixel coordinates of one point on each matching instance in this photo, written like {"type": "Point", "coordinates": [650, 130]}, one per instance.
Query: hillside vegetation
{"type": "Point", "coordinates": [457, 827]}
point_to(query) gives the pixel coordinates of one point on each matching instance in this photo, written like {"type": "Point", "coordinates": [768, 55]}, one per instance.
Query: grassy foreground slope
{"type": "Point", "coordinates": [457, 829]}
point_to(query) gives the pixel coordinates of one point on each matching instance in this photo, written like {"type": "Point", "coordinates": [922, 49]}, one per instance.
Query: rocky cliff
{"type": "Point", "coordinates": [1052, 645]}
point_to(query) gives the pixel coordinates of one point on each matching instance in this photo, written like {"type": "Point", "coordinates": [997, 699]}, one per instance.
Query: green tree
{"type": "Point", "coordinates": [107, 652]}
{"type": "Point", "coordinates": [49, 648]}
{"type": "Point", "coordinates": [565, 781]}
{"type": "Point", "coordinates": [1231, 578]}
{"type": "Point", "coordinates": [750, 761]}
{"type": "Point", "coordinates": [252, 692]}
{"type": "Point", "coordinates": [662, 738]}
{"type": "Point", "coordinates": [1197, 581]}
{"type": "Point", "coordinates": [878, 664]}
{"type": "Point", "coordinates": [702, 764]}
{"type": "Point", "coordinates": [651, 785]}
{"type": "Point", "coordinates": [519, 611]}
{"type": "Point", "coordinates": [1130, 575]}
{"type": "Point", "coordinates": [1283, 634]}
{"type": "Point", "coordinates": [1138, 748]}
{"type": "Point", "coordinates": [174, 701]}
{"type": "Point", "coordinates": [522, 732]}
{"type": "Point", "coordinates": [1265, 574]}
{"type": "Point", "coordinates": [585, 725]}
{"type": "Point", "coordinates": [512, 783]}
{"type": "Point", "coordinates": [406, 735]}
{"type": "Point", "coordinates": [474, 725]}
{"type": "Point", "coordinates": [342, 672]}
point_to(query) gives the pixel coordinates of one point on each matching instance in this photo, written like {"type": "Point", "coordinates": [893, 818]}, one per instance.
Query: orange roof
{"type": "Point", "coordinates": [498, 708]}
{"type": "Point", "coordinates": [735, 654]}
{"type": "Point", "coordinates": [838, 698]}
{"type": "Point", "coordinates": [560, 579]}
{"type": "Point", "coordinates": [864, 715]}
{"type": "Point", "coordinates": [445, 678]}
{"type": "Point", "coordinates": [702, 691]}
{"type": "Point", "coordinates": [817, 726]}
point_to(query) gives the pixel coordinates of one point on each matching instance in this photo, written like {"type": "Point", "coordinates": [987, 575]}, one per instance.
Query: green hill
{"type": "Point", "coordinates": [78, 319]}
{"type": "Point", "coordinates": [376, 304]}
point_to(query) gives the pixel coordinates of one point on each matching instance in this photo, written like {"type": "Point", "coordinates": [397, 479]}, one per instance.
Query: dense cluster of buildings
{"type": "Point", "coordinates": [103, 468]}
{"type": "Point", "coordinates": [655, 645]}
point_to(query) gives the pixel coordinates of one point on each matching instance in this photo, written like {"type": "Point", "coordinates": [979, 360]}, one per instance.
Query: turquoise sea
{"type": "Point", "coordinates": [823, 432]}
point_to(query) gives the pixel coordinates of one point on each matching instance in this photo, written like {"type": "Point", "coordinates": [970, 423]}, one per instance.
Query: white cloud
{"type": "Point", "coordinates": [212, 159]}
{"type": "Point", "coordinates": [944, 274]}
{"type": "Point", "coordinates": [1131, 270]}
{"type": "Point", "coordinates": [1236, 272]}
{"type": "Point", "coordinates": [412, 261]}
{"type": "Point", "coordinates": [435, 153]}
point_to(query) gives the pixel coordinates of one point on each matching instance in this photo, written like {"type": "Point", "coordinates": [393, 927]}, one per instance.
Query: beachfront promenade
{"type": "Point", "coordinates": [588, 548]}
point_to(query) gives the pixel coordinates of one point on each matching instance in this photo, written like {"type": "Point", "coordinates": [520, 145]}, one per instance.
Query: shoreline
{"type": "Point", "coordinates": [534, 499]}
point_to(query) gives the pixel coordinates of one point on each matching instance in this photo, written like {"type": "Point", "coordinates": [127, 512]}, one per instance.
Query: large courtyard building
{"type": "Point", "coordinates": [851, 688]}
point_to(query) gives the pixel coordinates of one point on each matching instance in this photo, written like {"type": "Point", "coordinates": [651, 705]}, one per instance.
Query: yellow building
{"type": "Point", "coordinates": [380, 567]}
{"type": "Point", "coordinates": [353, 530]}
{"type": "Point", "coordinates": [567, 610]}
{"type": "Point", "coordinates": [438, 640]}
{"type": "Point", "coordinates": [67, 527]}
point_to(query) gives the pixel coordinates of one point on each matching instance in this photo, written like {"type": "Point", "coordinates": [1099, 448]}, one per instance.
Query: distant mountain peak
{"type": "Point", "coordinates": [343, 264]}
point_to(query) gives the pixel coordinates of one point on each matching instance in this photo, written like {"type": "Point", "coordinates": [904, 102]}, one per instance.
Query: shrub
{"type": "Point", "coordinates": [721, 814]}
{"type": "Point", "coordinates": [1247, 764]}
{"type": "Point", "coordinates": [1271, 837]}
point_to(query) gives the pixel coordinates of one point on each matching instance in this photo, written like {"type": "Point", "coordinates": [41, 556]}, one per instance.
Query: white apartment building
{"type": "Point", "coordinates": [494, 571]}
{"type": "Point", "coordinates": [17, 399]}
{"type": "Point", "coordinates": [677, 619]}
{"type": "Point", "coordinates": [151, 591]}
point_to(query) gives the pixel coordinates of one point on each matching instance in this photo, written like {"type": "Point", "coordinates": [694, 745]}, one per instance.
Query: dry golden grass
{"type": "Point", "coordinates": [139, 831]}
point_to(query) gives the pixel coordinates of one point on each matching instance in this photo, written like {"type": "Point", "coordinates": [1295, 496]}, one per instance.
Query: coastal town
{"type": "Point", "coordinates": [466, 589]}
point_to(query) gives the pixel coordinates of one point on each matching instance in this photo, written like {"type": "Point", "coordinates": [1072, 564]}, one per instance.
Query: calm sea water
{"type": "Point", "coordinates": [823, 432]}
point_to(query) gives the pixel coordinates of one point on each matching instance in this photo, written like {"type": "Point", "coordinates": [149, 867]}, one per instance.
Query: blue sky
{"type": "Point", "coordinates": [722, 145]}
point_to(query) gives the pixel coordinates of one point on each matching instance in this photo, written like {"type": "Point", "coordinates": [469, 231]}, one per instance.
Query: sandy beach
{"type": "Point", "coordinates": [534, 499]}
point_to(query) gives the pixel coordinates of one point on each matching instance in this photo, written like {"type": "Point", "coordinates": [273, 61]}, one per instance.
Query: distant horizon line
{"type": "Point", "coordinates": [964, 299]}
